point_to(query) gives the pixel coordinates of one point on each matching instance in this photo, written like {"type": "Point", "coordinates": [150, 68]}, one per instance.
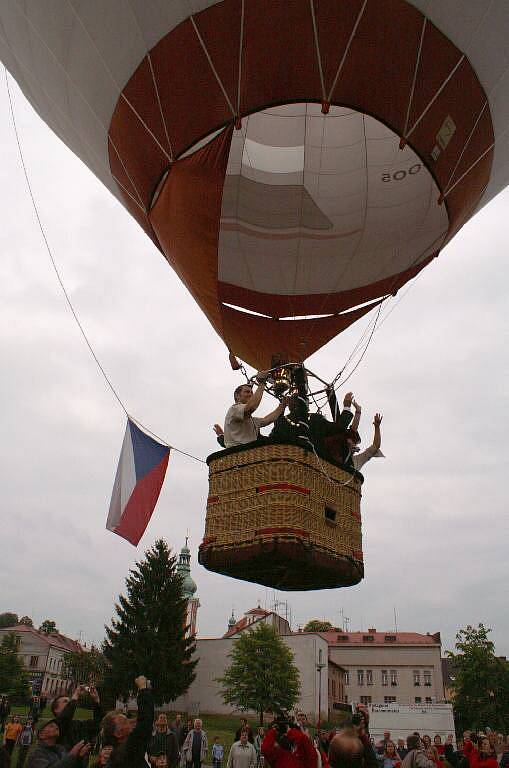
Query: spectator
{"type": "Point", "coordinates": [195, 747]}
{"type": "Point", "coordinates": [72, 731]}
{"type": "Point", "coordinates": [242, 752]}
{"type": "Point", "coordinates": [244, 726]}
{"type": "Point", "coordinates": [217, 753]}
{"type": "Point", "coordinates": [48, 752]}
{"type": "Point", "coordinates": [380, 747]}
{"type": "Point", "coordinates": [240, 426]}
{"type": "Point", "coordinates": [426, 741]}
{"type": "Point", "coordinates": [481, 756]}
{"type": "Point", "coordinates": [285, 747]}
{"type": "Point", "coordinates": [437, 743]}
{"type": "Point", "coordinates": [504, 759]}
{"type": "Point", "coordinates": [179, 730]}
{"type": "Point", "coordinates": [415, 757]}
{"type": "Point", "coordinates": [35, 709]}
{"type": "Point", "coordinates": [432, 754]}
{"type": "Point", "coordinates": [163, 741]}
{"type": "Point", "coordinates": [347, 750]}
{"type": "Point", "coordinates": [402, 750]}
{"type": "Point", "coordinates": [260, 735]}
{"type": "Point", "coordinates": [390, 757]}
{"type": "Point", "coordinates": [12, 731]}
{"type": "Point", "coordinates": [130, 738]}
{"type": "Point", "coordinates": [25, 740]}
{"type": "Point", "coordinates": [302, 722]}
{"type": "Point", "coordinates": [161, 761]}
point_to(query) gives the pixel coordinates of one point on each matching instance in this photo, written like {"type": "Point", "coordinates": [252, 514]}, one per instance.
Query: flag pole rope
{"type": "Point", "coordinates": [64, 290]}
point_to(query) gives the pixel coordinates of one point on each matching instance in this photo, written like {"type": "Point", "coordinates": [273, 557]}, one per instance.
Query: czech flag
{"type": "Point", "coordinates": [138, 482]}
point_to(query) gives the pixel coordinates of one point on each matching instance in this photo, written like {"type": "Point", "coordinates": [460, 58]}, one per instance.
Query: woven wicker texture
{"type": "Point", "coordinates": [240, 509]}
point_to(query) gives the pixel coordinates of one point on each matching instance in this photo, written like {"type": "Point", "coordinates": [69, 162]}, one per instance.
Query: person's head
{"type": "Point", "coordinates": [302, 718]}
{"type": "Point", "coordinates": [242, 394]}
{"type": "Point", "coordinates": [413, 741]}
{"type": "Point", "coordinates": [485, 746]}
{"type": "Point", "coordinates": [161, 723]}
{"type": "Point", "coordinates": [390, 749]}
{"type": "Point", "coordinates": [352, 440]}
{"type": "Point", "coordinates": [387, 735]}
{"type": "Point", "coordinates": [216, 739]}
{"type": "Point", "coordinates": [401, 743]}
{"type": "Point", "coordinates": [432, 753]}
{"type": "Point", "coordinates": [29, 723]}
{"type": "Point", "coordinates": [116, 727]}
{"type": "Point", "coordinates": [346, 749]}
{"type": "Point", "coordinates": [261, 730]}
{"type": "Point", "coordinates": [244, 735]}
{"type": "Point", "coordinates": [189, 723]}
{"type": "Point", "coordinates": [161, 761]}
{"type": "Point", "coordinates": [104, 755]}
{"type": "Point", "coordinates": [426, 740]}
{"type": "Point", "coordinates": [197, 724]}
{"type": "Point", "coordinates": [15, 719]}
{"type": "Point", "coordinates": [49, 733]}
{"type": "Point", "coordinates": [437, 740]}
{"type": "Point", "coordinates": [178, 718]}
{"type": "Point", "coordinates": [58, 704]}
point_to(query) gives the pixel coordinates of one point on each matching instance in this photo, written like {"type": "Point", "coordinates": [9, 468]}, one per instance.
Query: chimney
{"type": "Point", "coordinates": [372, 630]}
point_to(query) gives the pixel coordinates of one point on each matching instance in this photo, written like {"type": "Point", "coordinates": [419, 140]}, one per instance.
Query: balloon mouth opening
{"type": "Point", "coordinates": [315, 203]}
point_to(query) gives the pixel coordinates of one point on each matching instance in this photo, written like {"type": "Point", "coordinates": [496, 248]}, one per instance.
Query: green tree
{"type": "Point", "coordinates": [8, 619]}
{"type": "Point", "coordinates": [27, 621]}
{"type": "Point", "coordinates": [316, 625]}
{"type": "Point", "coordinates": [13, 678]}
{"type": "Point", "coordinates": [481, 681]}
{"type": "Point", "coordinates": [262, 676]}
{"type": "Point", "coordinates": [85, 666]}
{"type": "Point", "coordinates": [48, 626]}
{"type": "Point", "coordinates": [148, 637]}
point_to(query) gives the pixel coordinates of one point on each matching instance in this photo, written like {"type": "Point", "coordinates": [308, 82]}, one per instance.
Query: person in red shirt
{"type": "Point", "coordinates": [480, 756]}
{"type": "Point", "coordinates": [290, 749]}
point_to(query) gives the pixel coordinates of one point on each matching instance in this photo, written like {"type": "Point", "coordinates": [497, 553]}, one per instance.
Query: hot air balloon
{"type": "Point", "coordinates": [296, 163]}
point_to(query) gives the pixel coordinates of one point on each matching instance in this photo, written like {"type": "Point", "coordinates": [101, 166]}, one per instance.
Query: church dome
{"type": "Point", "coordinates": [184, 569]}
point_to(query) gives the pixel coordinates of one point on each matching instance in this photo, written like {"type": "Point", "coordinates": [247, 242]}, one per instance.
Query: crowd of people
{"type": "Point", "coordinates": [149, 740]}
{"type": "Point", "coordinates": [337, 439]}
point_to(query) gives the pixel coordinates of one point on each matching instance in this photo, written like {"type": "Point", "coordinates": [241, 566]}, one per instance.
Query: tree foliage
{"type": "Point", "coordinates": [84, 667]}
{"type": "Point", "coordinates": [480, 681]}
{"type": "Point", "coordinates": [48, 626]}
{"type": "Point", "coordinates": [8, 619]}
{"type": "Point", "coordinates": [317, 625]}
{"type": "Point", "coordinates": [13, 678]}
{"type": "Point", "coordinates": [27, 621]}
{"type": "Point", "coordinates": [148, 637]}
{"type": "Point", "coordinates": [262, 676]}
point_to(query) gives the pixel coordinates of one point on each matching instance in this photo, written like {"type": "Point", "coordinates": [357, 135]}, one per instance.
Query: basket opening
{"type": "Point", "coordinates": [330, 514]}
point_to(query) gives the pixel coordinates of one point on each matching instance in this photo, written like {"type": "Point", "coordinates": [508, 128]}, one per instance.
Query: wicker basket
{"type": "Point", "coordinates": [279, 515]}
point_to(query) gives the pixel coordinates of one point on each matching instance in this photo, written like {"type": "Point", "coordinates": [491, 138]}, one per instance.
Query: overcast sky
{"type": "Point", "coordinates": [435, 511]}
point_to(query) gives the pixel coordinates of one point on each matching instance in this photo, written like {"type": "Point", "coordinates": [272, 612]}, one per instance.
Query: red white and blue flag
{"type": "Point", "coordinates": [140, 476]}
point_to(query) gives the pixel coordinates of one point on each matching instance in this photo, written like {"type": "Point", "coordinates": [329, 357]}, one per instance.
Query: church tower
{"type": "Point", "coordinates": [189, 588]}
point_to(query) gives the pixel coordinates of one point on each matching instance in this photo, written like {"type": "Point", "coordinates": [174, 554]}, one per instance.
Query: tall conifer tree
{"type": "Point", "coordinates": [148, 636]}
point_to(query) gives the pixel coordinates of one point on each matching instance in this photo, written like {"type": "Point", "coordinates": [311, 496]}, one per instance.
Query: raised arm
{"type": "Point", "coordinates": [256, 398]}
{"type": "Point", "coordinates": [377, 438]}
{"type": "Point", "coordinates": [270, 418]}
{"type": "Point", "coordinates": [341, 418]}
{"type": "Point", "coordinates": [357, 416]}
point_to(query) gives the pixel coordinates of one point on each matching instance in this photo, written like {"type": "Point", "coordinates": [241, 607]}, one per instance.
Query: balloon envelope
{"type": "Point", "coordinates": [294, 162]}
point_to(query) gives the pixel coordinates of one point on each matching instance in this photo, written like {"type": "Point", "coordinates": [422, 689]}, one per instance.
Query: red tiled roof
{"type": "Point", "coordinates": [379, 638]}
{"type": "Point", "coordinates": [55, 638]}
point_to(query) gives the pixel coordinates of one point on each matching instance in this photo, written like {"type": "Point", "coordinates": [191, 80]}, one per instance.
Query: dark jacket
{"type": "Point", "coordinates": [72, 731]}
{"type": "Point", "coordinates": [131, 754]}
{"type": "Point", "coordinates": [165, 743]}
{"type": "Point", "coordinates": [56, 757]}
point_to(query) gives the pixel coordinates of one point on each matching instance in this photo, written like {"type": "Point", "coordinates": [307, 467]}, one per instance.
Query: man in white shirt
{"type": "Point", "coordinates": [242, 753]}
{"type": "Point", "coordinates": [240, 426]}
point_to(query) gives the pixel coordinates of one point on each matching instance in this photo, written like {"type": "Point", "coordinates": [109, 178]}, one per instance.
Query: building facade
{"type": "Point", "coordinates": [43, 658]}
{"type": "Point", "coordinates": [388, 667]}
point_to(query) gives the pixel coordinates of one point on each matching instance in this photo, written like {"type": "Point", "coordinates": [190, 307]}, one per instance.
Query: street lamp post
{"type": "Point", "coordinates": [319, 666]}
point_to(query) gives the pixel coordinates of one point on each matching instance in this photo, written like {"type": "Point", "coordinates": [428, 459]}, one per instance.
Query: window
{"type": "Point", "coordinates": [330, 514]}
{"type": "Point", "coordinates": [365, 699]}
{"type": "Point", "coordinates": [418, 700]}
{"type": "Point", "coordinates": [385, 678]}
{"type": "Point", "coordinates": [360, 677]}
{"type": "Point", "coordinates": [334, 689]}
{"type": "Point", "coordinates": [417, 677]}
{"type": "Point", "coordinates": [427, 678]}
{"type": "Point", "coordinates": [428, 700]}
{"type": "Point", "coordinates": [390, 638]}
{"type": "Point", "coordinates": [347, 677]}
{"type": "Point", "coordinates": [394, 677]}
{"type": "Point", "coordinates": [389, 699]}
{"type": "Point", "coordinates": [34, 661]}
{"type": "Point", "coordinates": [368, 638]}
{"type": "Point", "coordinates": [346, 699]}
{"type": "Point", "coordinates": [343, 638]}
{"type": "Point", "coordinates": [369, 677]}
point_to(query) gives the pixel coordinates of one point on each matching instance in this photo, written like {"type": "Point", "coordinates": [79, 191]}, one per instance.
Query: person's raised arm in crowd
{"type": "Point", "coordinates": [256, 397]}
{"type": "Point", "coordinates": [341, 418]}
{"type": "Point", "coordinates": [138, 739]}
{"type": "Point", "coordinates": [271, 417]}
